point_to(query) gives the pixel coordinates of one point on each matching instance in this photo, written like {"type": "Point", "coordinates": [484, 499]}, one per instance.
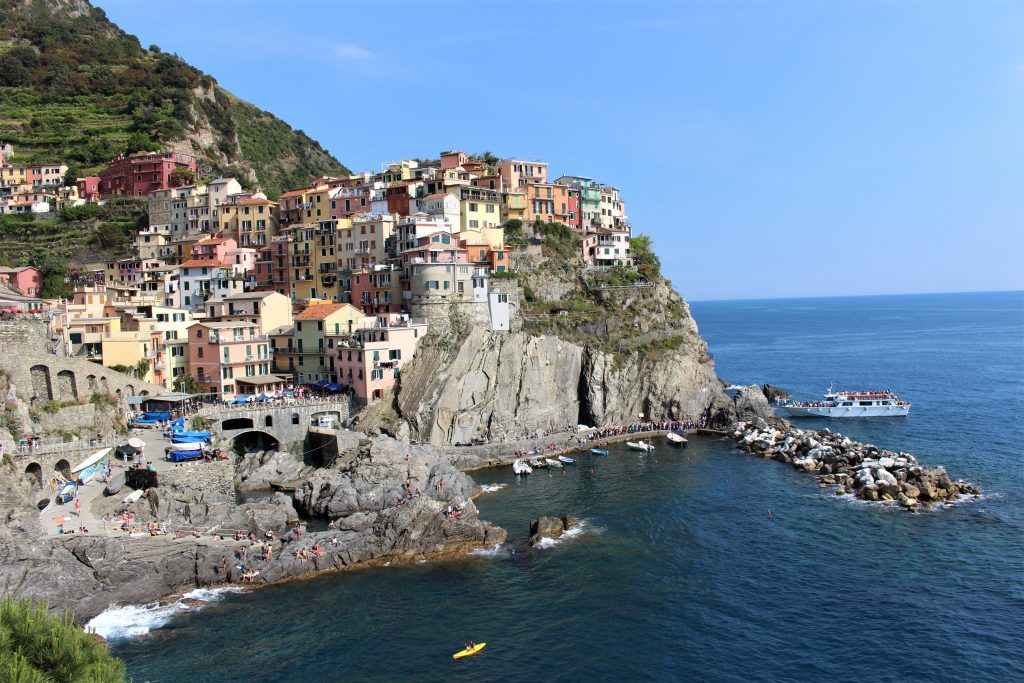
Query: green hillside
{"type": "Point", "coordinates": [75, 87]}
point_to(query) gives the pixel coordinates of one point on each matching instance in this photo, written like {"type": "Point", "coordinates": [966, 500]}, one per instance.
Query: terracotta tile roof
{"type": "Point", "coordinates": [294, 193]}
{"type": "Point", "coordinates": [200, 263]}
{"type": "Point", "coordinates": [319, 311]}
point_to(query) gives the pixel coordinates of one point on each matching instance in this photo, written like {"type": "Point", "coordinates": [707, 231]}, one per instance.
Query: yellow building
{"type": "Point", "coordinates": [268, 310]}
{"type": "Point", "coordinates": [479, 207]}
{"type": "Point", "coordinates": [317, 332]}
{"type": "Point", "coordinates": [314, 260]}
{"type": "Point", "coordinates": [253, 221]}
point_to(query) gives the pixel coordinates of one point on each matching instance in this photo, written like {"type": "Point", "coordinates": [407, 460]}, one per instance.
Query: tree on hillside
{"type": "Point", "coordinates": [646, 261]}
{"type": "Point", "coordinates": [35, 647]}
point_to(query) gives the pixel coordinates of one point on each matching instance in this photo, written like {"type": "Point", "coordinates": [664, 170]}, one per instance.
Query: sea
{"type": "Point", "coordinates": [699, 564]}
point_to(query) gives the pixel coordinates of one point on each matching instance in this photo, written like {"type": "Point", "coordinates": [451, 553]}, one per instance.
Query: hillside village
{"type": "Point", "coordinates": [236, 296]}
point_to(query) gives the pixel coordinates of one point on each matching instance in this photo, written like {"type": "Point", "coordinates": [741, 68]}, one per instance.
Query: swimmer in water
{"type": "Point", "coordinates": [770, 514]}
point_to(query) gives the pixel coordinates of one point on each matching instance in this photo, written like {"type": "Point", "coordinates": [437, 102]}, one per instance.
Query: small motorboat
{"type": "Point", "coordinates": [550, 462]}
{"type": "Point", "coordinates": [67, 492]}
{"type": "Point", "coordinates": [677, 440]}
{"type": "Point", "coordinates": [537, 462]}
{"type": "Point", "coordinates": [43, 504]}
{"type": "Point", "coordinates": [599, 451]}
{"type": "Point", "coordinates": [640, 446]}
{"type": "Point", "coordinates": [469, 652]}
{"type": "Point", "coordinates": [566, 459]}
{"type": "Point", "coordinates": [520, 467]}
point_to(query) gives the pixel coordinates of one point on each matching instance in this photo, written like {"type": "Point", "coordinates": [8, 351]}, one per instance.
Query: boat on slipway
{"type": "Point", "coordinates": [520, 467]}
{"type": "Point", "coordinates": [677, 440]}
{"type": "Point", "coordinates": [67, 492]}
{"type": "Point", "coordinates": [846, 404]}
{"type": "Point", "coordinates": [567, 460]}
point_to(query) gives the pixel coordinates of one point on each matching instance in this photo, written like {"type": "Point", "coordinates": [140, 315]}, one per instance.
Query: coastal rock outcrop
{"type": "Point", "coordinates": [369, 491]}
{"type": "Point", "coordinates": [851, 467]}
{"type": "Point", "coordinates": [550, 527]}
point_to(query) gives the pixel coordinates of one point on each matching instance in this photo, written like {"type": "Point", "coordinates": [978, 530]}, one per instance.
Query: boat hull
{"type": "Point", "coordinates": [847, 411]}
{"type": "Point", "coordinates": [599, 451]}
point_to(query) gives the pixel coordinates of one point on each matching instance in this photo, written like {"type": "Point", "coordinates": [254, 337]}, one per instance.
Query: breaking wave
{"type": "Point", "coordinates": [120, 622]}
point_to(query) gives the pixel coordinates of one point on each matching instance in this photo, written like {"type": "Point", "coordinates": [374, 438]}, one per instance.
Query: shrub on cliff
{"type": "Point", "coordinates": [35, 646]}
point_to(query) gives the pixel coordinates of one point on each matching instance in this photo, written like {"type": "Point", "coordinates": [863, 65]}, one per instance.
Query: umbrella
{"type": "Point", "coordinates": [322, 383]}
{"type": "Point", "coordinates": [58, 519]}
{"type": "Point", "coordinates": [261, 397]}
{"type": "Point", "coordinates": [334, 387]}
{"type": "Point", "coordinates": [136, 442]}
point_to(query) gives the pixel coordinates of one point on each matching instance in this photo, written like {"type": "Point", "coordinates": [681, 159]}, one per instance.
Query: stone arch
{"type": "Point", "coordinates": [35, 470]}
{"type": "Point", "coordinates": [90, 382]}
{"type": "Point", "coordinates": [143, 393]}
{"type": "Point", "coordinates": [117, 393]}
{"type": "Point", "coordinates": [295, 418]}
{"type": "Point", "coordinates": [63, 468]}
{"type": "Point", "coordinates": [67, 387]}
{"type": "Point", "coordinates": [268, 421]}
{"type": "Point", "coordinates": [237, 423]}
{"type": "Point", "coordinates": [255, 440]}
{"type": "Point", "coordinates": [129, 389]}
{"type": "Point", "coordinates": [104, 387]}
{"type": "Point", "coordinates": [41, 382]}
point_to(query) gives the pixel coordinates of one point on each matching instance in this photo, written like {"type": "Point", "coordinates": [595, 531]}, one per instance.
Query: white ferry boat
{"type": "Point", "coordinates": [850, 404]}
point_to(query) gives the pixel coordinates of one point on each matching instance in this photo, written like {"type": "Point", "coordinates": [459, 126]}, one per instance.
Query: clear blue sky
{"type": "Point", "coordinates": [770, 149]}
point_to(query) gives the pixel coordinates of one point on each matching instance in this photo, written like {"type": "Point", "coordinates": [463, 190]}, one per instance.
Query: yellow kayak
{"type": "Point", "coordinates": [469, 653]}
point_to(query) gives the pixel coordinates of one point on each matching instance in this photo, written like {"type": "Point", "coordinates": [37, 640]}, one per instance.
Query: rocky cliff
{"type": "Point", "coordinates": [595, 355]}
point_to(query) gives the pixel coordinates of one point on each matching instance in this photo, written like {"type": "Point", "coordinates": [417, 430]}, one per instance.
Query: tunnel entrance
{"type": "Point", "coordinates": [255, 441]}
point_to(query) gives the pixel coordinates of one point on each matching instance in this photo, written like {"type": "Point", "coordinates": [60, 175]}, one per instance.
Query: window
{"type": "Point", "coordinates": [199, 352]}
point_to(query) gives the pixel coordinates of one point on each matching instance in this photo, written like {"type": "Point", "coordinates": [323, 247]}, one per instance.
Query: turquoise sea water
{"type": "Point", "coordinates": [678, 572]}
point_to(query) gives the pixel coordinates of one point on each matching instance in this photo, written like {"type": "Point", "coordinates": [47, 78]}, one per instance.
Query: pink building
{"type": "Point", "coordinates": [89, 188]}
{"type": "Point", "coordinates": [213, 249]}
{"type": "Point", "coordinates": [453, 159]}
{"type": "Point", "coordinates": [24, 279]}
{"type": "Point", "coordinates": [139, 174]}
{"type": "Point", "coordinates": [371, 361]}
{"type": "Point", "coordinates": [230, 359]}
{"type": "Point", "coordinates": [377, 290]}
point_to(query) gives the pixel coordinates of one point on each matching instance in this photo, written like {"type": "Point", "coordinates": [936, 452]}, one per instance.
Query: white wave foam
{"type": "Point", "coordinates": [489, 552]}
{"type": "Point", "coordinates": [131, 621]}
{"type": "Point", "coordinates": [120, 622]}
{"type": "Point", "coordinates": [491, 488]}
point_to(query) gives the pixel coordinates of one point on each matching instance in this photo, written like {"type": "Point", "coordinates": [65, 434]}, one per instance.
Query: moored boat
{"type": "Point", "coordinates": [520, 467]}
{"type": "Point", "coordinates": [550, 462]}
{"type": "Point", "coordinates": [677, 440]}
{"type": "Point", "coordinates": [640, 446]}
{"type": "Point", "coordinates": [567, 460]}
{"type": "Point", "coordinates": [537, 462]}
{"type": "Point", "coordinates": [844, 404]}
{"type": "Point", "coordinates": [600, 451]}
{"type": "Point", "coordinates": [67, 492]}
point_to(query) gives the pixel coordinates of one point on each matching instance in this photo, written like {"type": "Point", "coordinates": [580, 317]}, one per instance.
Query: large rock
{"type": "Point", "coordinates": [550, 527]}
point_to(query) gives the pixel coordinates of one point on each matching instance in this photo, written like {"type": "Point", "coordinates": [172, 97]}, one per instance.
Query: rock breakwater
{"type": "Point", "coordinates": [851, 467]}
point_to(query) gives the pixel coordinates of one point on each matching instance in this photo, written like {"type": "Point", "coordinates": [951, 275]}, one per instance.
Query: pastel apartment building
{"type": "Point", "coordinates": [266, 310]}
{"type": "Point", "coordinates": [607, 248]}
{"type": "Point", "coordinates": [139, 174]}
{"type": "Point", "coordinates": [371, 361]}
{"type": "Point", "coordinates": [317, 332]}
{"type": "Point", "coordinates": [228, 359]}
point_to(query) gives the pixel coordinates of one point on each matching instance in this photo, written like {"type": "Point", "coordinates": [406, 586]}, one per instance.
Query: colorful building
{"type": "Point", "coordinates": [370, 362]}
{"type": "Point", "coordinates": [24, 279]}
{"type": "Point", "coordinates": [230, 359]}
{"type": "Point", "coordinates": [317, 331]}
{"type": "Point", "coordinates": [139, 174]}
